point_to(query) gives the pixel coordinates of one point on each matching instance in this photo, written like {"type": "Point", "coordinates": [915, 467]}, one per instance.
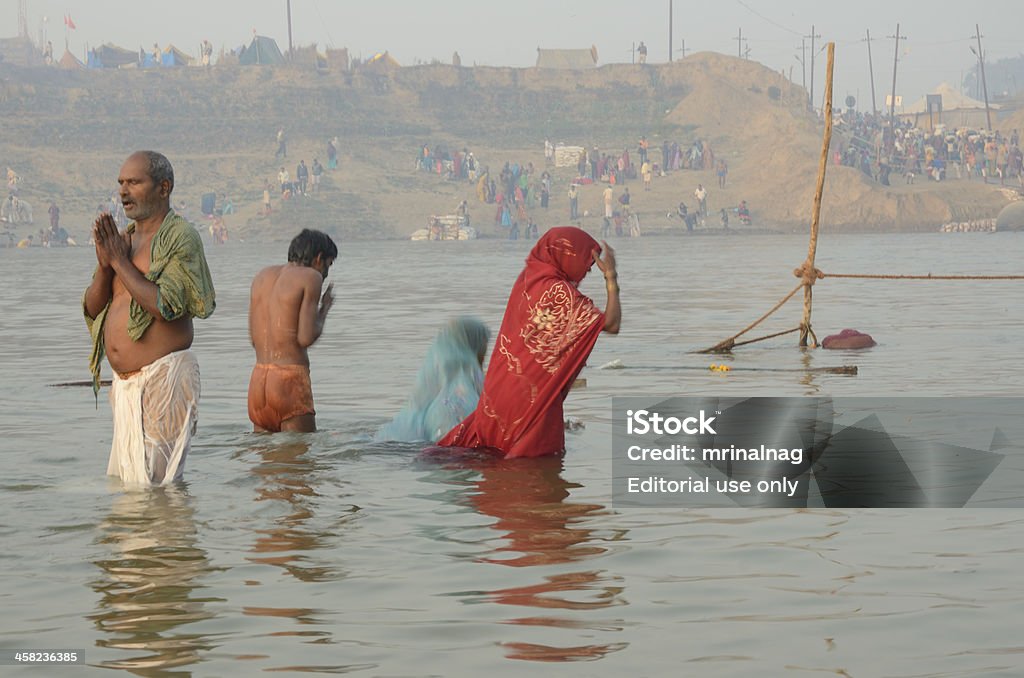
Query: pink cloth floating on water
{"type": "Point", "coordinates": [848, 339]}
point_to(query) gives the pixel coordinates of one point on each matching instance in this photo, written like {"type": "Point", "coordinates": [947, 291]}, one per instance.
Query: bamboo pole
{"type": "Point", "coordinates": [808, 268]}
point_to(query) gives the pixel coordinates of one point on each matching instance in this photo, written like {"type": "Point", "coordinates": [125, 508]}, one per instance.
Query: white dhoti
{"type": "Point", "coordinates": [155, 414]}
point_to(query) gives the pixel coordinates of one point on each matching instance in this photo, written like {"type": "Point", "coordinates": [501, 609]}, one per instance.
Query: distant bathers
{"type": "Point", "coordinates": [278, 393]}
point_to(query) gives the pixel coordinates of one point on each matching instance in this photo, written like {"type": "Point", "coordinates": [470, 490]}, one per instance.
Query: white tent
{"type": "Point", "coordinates": [571, 59]}
{"type": "Point", "coordinates": [958, 110]}
{"type": "Point", "coordinates": [952, 100]}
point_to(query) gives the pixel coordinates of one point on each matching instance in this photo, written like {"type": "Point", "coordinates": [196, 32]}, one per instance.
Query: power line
{"type": "Point", "coordinates": [763, 40]}
{"type": "Point", "coordinates": [762, 16]}
{"type": "Point", "coordinates": [892, 101]}
{"type": "Point", "coordinates": [324, 24]}
{"type": "Point", "coordinates": [871, 69]}
{"type": "Point", "coordinates": [812, 36]}
{"type": "Point", "coordinates": [981, 65]}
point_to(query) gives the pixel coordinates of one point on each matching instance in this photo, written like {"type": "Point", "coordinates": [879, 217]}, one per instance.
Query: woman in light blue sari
{"type": "Point", "coordinates": [448, 384]}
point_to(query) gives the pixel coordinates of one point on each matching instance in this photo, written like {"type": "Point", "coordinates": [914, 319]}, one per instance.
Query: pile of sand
{"type": "Point", "coordinates": [1014, 121]}
{"type": "Point", "coordinates": [773, 144]}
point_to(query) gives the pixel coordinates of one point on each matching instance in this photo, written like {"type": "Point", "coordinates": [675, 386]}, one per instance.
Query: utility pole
{"type": "Point", "coordinates": [871, 70]}
{"type": "Point", "coordinates": [812, 36]}
{"type": "Point", "coordinates": [739, 44]}
{"type": "Point", "coordinates": [682, 48]}
{"type": "Point", "coordinates": [892, 101]}
{"type": "Point", "coordinates": [670, 31]}
{"type": "Point", "coordinates": [803, 63]}
{"type": "Point", "coordinates": [290, 48]}
{"type": "Point", "coordinates": [22, 18]}
{"type": "Point", "coordinates": [984, 85]}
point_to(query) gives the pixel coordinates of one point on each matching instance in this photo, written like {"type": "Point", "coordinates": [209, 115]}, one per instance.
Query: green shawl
{"type": "Point", "coordinates": [184, 286]}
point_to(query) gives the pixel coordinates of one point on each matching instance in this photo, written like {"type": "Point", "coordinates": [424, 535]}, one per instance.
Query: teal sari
{"type": "Point", "coordinates": [447, 386]}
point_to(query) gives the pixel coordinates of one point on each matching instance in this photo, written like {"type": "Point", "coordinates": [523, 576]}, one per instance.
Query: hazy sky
{"type": "Point", "coordinates": [939, 33]}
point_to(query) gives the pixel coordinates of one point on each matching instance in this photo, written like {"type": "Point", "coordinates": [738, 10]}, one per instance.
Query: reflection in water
{"type": "Point", "coordinates": [546, 653]}
{"type": "Point", "coordinates": [809, 379]}
{"type": "Point", "coordinates": [540, 528]}
{"type": "Point", "coordinates": [528, 499]}
{"type": "Point", "coordinates": [285, 469]}
{"type": "Point", "coordinates": [147, 584]}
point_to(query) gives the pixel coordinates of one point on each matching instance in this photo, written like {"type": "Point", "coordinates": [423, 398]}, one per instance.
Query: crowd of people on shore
{"type": "Point", "coordinates": [520, 187]}
{"type": "Point", "coordinates": [596, 165]}
{"type": "Point", "coordinates": [865, 142]}
{"type": "Point", "coordinates": [868, 143]}
{"type": "Point", "coordinates": [17, 213]}
{"type": "Point", "coordinates": [451, 165]}
{"type": "Point", "coordinates": [306, 180]}
{"type": "Point", "coordinates": [517, 189]}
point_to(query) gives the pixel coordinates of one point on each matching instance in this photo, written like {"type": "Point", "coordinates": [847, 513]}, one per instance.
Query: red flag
{"type": "Point", "coordinates": [68, 22]}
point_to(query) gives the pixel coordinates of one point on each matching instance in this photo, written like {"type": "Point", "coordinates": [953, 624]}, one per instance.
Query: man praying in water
{"type": "Point", "coordinates": [286, 317]}
{"type": "Point", "coordinates": [149, 282]}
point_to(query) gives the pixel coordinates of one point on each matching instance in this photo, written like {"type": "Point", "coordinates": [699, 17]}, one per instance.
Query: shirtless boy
{"type": "Point", "coordinates": [286, 317]}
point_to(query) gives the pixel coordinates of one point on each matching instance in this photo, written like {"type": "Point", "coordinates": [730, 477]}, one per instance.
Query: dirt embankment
{"type": "Point", "coordinates": [66, 133]}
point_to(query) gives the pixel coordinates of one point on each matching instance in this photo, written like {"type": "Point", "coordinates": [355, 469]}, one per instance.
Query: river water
{"type": "Point", "coordinates": [328, 553]}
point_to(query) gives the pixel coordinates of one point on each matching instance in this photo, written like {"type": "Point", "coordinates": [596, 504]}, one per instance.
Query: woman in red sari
{"type": "Point", "coordinates": [548, 331]}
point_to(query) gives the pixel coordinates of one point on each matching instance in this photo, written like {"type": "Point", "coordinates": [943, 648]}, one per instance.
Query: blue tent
{"type": "Point", "coordinates": [172, 56]}
{"type": "Point", "coordinates": [111, 56]}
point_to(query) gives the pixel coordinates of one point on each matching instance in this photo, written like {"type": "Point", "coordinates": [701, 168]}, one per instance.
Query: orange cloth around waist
{"type": "Point", "coordinates": [278, 393]}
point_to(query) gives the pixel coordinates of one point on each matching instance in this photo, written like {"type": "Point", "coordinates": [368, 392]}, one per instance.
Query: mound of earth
{"type": "Point", "coordinates": [774, 149]}
{"type": "Point", "coordinates": [66, 133]}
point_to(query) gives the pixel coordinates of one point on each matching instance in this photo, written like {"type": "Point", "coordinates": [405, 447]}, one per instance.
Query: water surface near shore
{"type": "Point", "coordinates": [328, 553]}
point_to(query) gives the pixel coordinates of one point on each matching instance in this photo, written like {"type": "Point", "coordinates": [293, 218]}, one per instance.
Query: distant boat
{"type": "Point", "coordinates": [446, 227]}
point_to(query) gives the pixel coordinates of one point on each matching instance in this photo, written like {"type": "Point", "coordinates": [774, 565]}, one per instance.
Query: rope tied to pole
{"type": "Point", "coordinates": [727, 344]}
{"type": "Point", "coordinates": [808, 273]}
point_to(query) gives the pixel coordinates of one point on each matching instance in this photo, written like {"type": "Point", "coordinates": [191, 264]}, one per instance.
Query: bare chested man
{"type": "Point", "coordinates": [149, 283]}
{"type": "Point", "coordinates": [286, 317]}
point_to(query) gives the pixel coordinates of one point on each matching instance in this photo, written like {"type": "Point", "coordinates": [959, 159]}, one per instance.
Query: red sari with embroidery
{"type": "Point", "coordinates": [547, 334]}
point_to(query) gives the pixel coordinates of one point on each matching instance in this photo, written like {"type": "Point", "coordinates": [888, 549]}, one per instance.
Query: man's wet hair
{"type": "Point", "coordinates": [305, 247]}
{"type": "Point", "coordinates": [159, 168]}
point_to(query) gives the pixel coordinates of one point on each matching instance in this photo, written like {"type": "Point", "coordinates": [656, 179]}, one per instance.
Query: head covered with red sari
{"type": "Point", "coordinates": [548, 331]}
{"type": "Point", "coordinates": [563, 252]}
